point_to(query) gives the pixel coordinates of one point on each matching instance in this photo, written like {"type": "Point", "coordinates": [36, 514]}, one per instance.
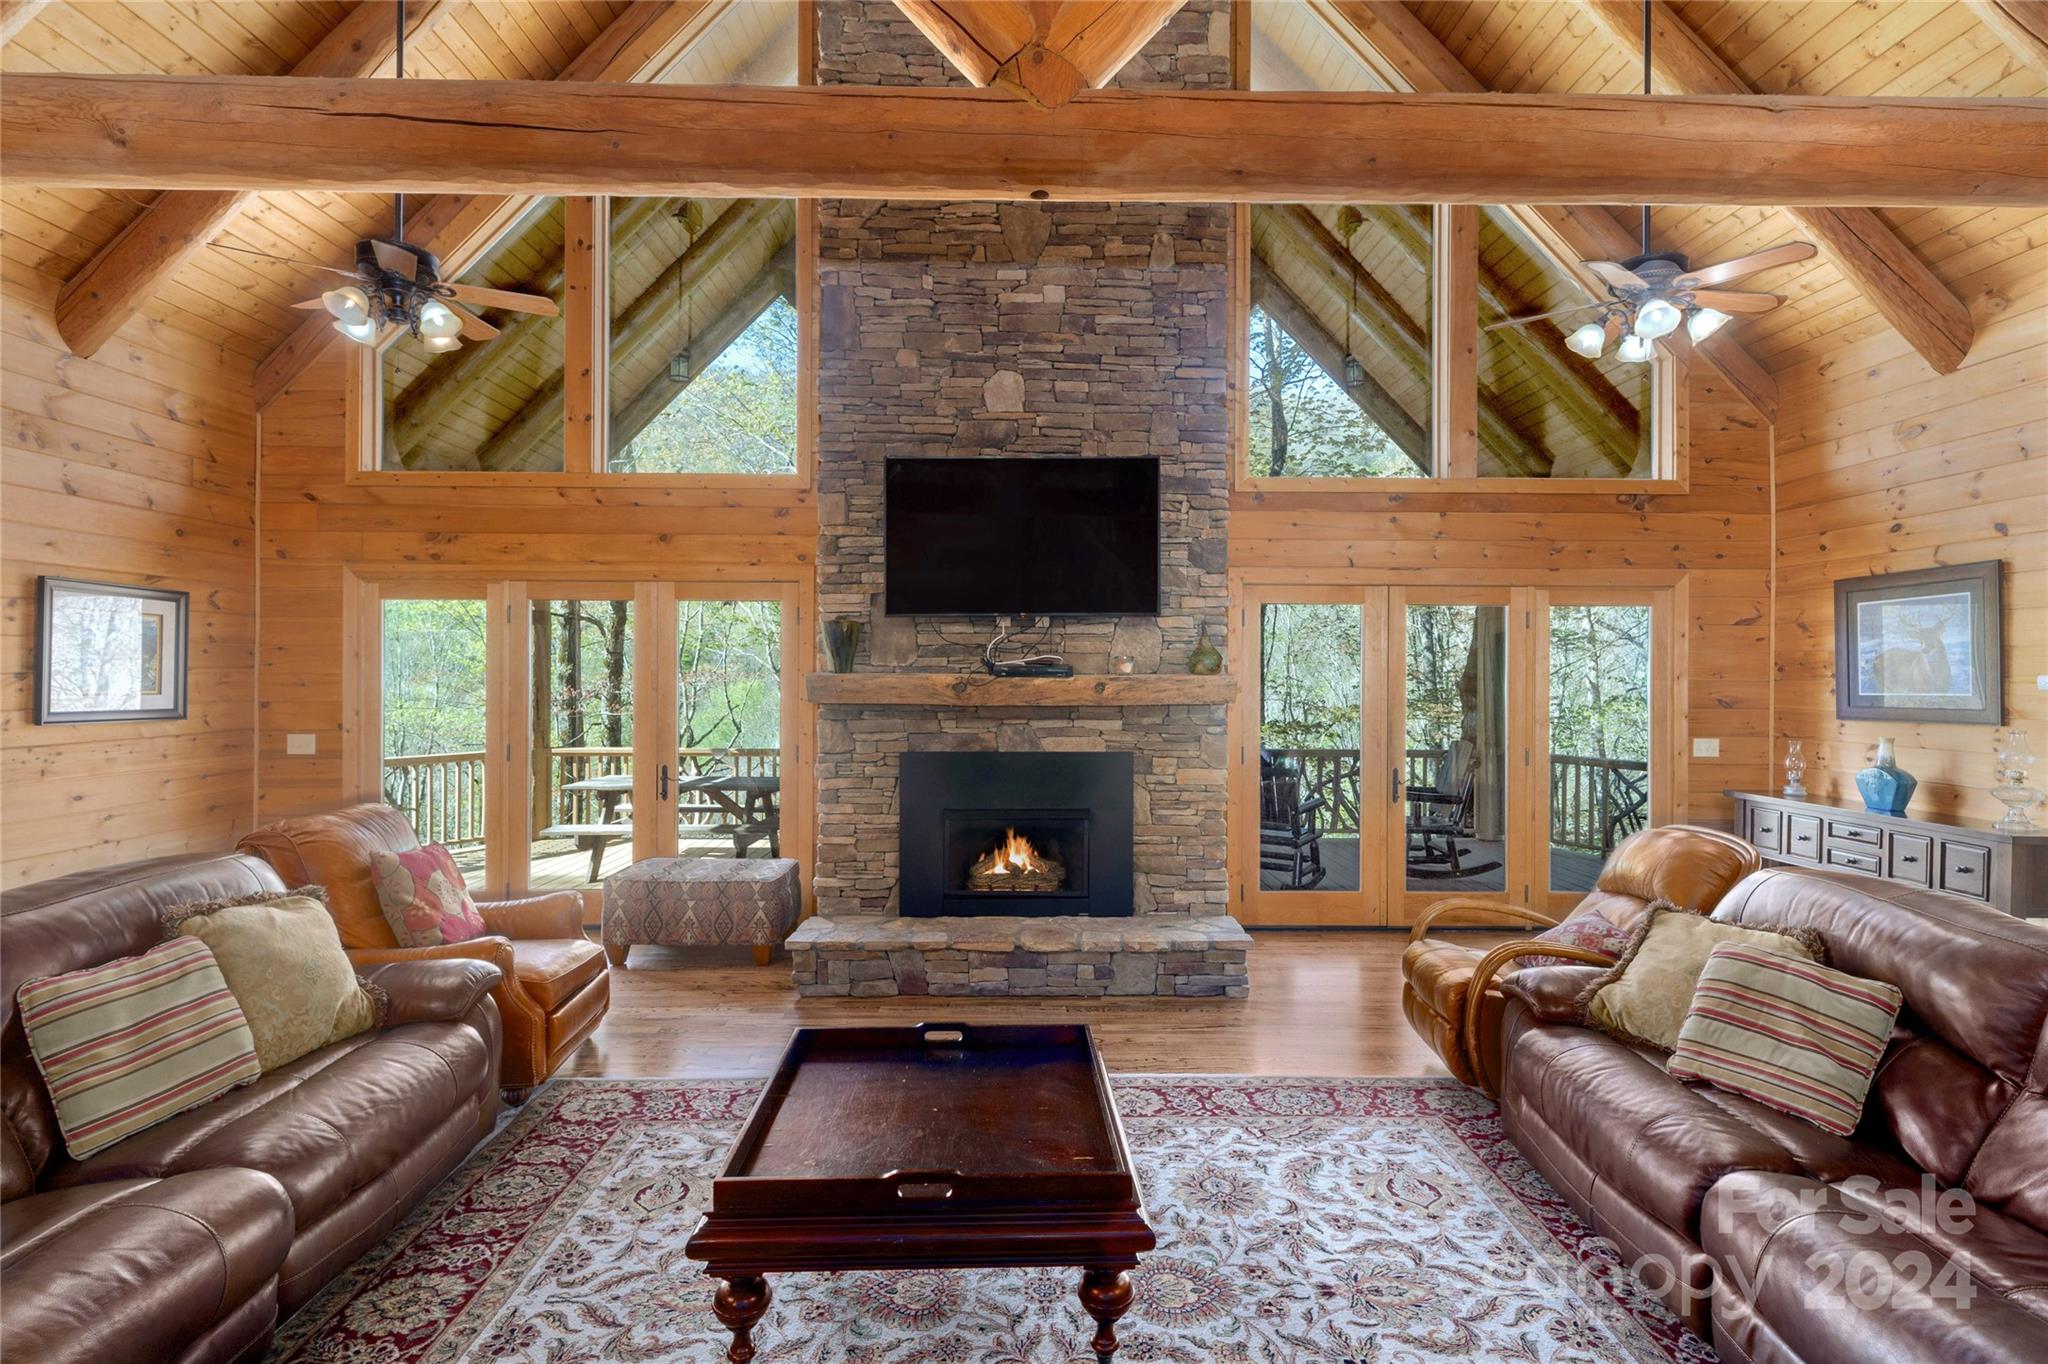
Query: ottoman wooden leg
{"type": "Point", "coordinates": [618, 954]}
{"type": "Point", "coordinates": [1106, 1294]}
{"type": "Point", "coordinates": [741, 1302]}
{"type": "Point", "coordinates": [762, 952]}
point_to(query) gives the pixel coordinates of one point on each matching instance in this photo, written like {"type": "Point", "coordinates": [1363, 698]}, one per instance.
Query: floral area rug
{"type": "Point", "coordinates": [1299, 1220]}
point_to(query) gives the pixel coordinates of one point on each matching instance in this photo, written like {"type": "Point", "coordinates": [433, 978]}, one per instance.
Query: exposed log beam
{"type": "Point", "coordinates": [640, 320]}
{"type": "Point", "coordinates": [1402, 51]}
{"type": "Point", "coordinates": [645, 40]}
{"type": "Point", "coordinates": [1271, 295]}
{"type": "Point", "coordinates": [1381, 316]}
{"type": "Point", "coordinates": [507, 137]}
{"type": "Point", "coordinates": [1870, 255]}
{"type": "Point", "coordinates": [448, 381]}
{"type": "Point", "coordinates": [2022, 25]}
{"type": "Point", "coordinates": [114, 285]}
{"type": "Point", "coordinates": [777, 279]}
{"type": "Point", "coordinates": [1047, 52]}
{"type": "Point", "coordinates": [15, 16]}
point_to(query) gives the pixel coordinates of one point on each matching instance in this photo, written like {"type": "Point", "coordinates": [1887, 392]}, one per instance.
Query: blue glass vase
{"type": "Point", "coordinates": [1886, 786]}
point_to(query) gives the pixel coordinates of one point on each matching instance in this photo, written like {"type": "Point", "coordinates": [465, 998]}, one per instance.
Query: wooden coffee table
{"type": "Point", "coordinates": [939, 1146]}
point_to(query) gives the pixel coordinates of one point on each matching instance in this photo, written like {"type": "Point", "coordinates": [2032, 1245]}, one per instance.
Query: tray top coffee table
{"type": "Point", "coordinates": [937, 1146]}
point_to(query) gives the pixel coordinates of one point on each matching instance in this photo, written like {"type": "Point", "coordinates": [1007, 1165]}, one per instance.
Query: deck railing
{"type": "Point", "coordinates": [1594, 802]}
{"type": "Point", "coordinates": [442, 794]}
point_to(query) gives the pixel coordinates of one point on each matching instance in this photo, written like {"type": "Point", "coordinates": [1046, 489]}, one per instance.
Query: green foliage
{"type": "Point", "coordinates": [433, 677]}
{"type": "Point", "coordinates": [737, 416]}
{"type": "Point", "coordinates": [1600, 681]}
{"type": "Point", "coordinates": [1439, 651]}
{"type": "Point", "coordinates": [1321, 432]}
{"type": "Point", "coordinates": [729, 674]}
{"type": "Point", "coordinates": [1308, 671]}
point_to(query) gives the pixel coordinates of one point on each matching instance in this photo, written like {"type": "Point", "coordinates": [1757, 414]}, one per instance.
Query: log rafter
{"type": "Point", "coordinates": [1046, 50]}
{"type": "Point", "coordinates": [646, 39]}
{"type": "Point", "coordinates": [1870, 255]}
{"type": "Point", "coordinates": [2022, 25]}
{"type": "Point", "coordinates": [128, 271]}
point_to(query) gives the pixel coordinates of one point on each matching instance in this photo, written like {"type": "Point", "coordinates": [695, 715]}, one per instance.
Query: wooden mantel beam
{"type": "Point", "coordinates": [525, 137]}
{"type": "Point", "coordinates": [1404, 54]}
{"type": "Point", "coordinates": [114, 285]}
{"type": "Point", "coordinates": [1870, 255]}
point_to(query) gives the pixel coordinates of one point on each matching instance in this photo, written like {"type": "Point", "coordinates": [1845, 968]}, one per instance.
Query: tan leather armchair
{"type": "Point", "coordinates": [1450, 992]}
{"type": "Point", "coordinates": [556, 987]}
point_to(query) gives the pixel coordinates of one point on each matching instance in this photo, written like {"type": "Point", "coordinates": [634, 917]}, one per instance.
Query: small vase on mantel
{"type": "Point", "coordinates": [1886, 786]}
{"type": "Point", "coordinates": [1207, 659]}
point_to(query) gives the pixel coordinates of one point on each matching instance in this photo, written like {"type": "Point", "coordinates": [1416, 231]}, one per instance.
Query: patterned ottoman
{"type": "Point", "coordinates": [702, 902]}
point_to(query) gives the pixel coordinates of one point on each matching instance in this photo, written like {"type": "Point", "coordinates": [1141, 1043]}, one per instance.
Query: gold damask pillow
{"type": "Point", "coordinates": [1645, 995]}
{"type": "Point", "coordinates": [283, 960]}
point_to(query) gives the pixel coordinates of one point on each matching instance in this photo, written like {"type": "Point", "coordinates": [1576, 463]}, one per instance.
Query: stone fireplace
{"type": "Point", "coordinates": [960, 330]}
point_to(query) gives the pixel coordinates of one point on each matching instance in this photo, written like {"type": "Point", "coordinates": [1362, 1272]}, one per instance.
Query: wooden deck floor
{"type": "Point", "coordinates": [1322, 1003]}
{"type": "Point", "coordinates": [557, 864]}
{"type": "Point", "coordinates": [1569, 869]}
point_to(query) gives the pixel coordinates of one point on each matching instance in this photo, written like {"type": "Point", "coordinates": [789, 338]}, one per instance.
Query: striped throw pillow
{"type": "Point", "coordinates": [126, 1044]}
{"type": "Point", "coordinates": [1792, 1034]}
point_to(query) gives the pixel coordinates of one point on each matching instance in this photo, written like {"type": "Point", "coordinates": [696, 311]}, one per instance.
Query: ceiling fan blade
{"type": "Point", "coordinates": [504, 298]}
{"type": "Point", "coordinates": [474, 328]}
{"type": "Point", "coordinates": [1616, 275]}
{"type": "Point", "coordinates": [396, 260]}
{"type": "Point", "coordinates": [1735, 300]}
{"type": "Point", "coordinates": [1538, 317]}
{"type": "Point", "coordinates": [1785, 253]}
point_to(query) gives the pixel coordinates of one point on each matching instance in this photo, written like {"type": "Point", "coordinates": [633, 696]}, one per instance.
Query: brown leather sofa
{"type": "Point", "coordinates": [189, 1240]}
{"type": "Point", "coordinates": [555, 988]}
{"type": "Point", "coordinates": [1450, 992]}
{"type": "Point", "coordinates": [1792, 1246]}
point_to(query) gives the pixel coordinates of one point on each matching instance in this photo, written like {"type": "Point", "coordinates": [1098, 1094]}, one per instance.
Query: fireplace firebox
{"type": "Point", "coordinates": [1016, 833]}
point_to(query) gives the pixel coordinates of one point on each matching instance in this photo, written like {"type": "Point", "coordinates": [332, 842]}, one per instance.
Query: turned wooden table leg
{"type": "Point", "coordinates": [740, 1303]}
{"type": "Point", "coordinates": [1106, 1294]}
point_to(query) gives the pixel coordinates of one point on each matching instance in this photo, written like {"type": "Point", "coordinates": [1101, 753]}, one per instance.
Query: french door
{"type": "Point", "coordinates": [552, 732]}
{"type": "Point", "coordinates": [1399, 745]}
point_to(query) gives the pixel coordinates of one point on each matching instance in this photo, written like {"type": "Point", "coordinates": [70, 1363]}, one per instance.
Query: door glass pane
{"type": "Point", "coordinates": [494, 405]}
{"type": "Point", "coordinates": [580, 771]}
{"type": "Point", "coordinates": [1338, 349]}
{"type": "Point", "coordinates": [1456, 758]}
{"type": "Point", "coordinates": [1544, 410]}
{"type": "Point", "coordinates": [1309, 736]}
{"type": "Point", "coordinates": [1599, 736]}
{"type": "Point", "coordinates": [703, 336]}
{"type": "Point", "coordinates": [433, 737]}
{"type": "Point", "coordinates": [729, 728]}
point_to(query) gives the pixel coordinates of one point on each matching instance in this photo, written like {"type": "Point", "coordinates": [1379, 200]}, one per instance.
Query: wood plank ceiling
{"type": "Point", "coordinates": [241, 301]}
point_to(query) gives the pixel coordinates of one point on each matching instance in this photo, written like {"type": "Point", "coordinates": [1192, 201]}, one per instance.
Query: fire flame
{"type": "Point", "coordinates": [1013, 855]}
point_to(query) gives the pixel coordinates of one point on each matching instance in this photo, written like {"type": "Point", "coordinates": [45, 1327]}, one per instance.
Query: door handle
{"type": "Point", "coordinates": [1394, 785]}
{"type": "Point", "coordinates": [661, 785]}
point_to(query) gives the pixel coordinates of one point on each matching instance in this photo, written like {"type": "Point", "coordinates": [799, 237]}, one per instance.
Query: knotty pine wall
{"type": "Point", "coordinates": [315, 524]}
{"type": "Point", "coordinates": [1883, 466]}
{"type": "Point", "coordinates": [1716, 537]}
{"type": "Point", "coordinates": [138, 466]}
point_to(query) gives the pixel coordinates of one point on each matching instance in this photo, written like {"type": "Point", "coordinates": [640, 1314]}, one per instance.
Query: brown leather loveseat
{"type": "Point", "coordinates": [555, 989]}
{"type": "Point", "coordinates": [187, 1241]}
{"type": "Point", "coordinates": [1922, 1237]}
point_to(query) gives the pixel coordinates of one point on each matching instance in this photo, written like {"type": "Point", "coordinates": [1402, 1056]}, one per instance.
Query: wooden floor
{"type": "Point", "coordinates": [1569, 869]}
{"type": "Point", "coordinates": [1322, 1003]}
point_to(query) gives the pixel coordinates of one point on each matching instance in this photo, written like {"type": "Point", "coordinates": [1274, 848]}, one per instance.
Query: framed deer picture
{"type": "Point", "coordinates": [1921, 647]}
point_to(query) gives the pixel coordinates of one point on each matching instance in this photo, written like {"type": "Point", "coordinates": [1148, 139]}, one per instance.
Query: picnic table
{"type": "Point", "coordinates": [750, 802]}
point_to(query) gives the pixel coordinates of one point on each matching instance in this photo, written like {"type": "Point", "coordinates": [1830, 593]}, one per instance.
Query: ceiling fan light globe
{"type": "Point", "coordinates": [1635, 349]}
{"type": "Point", "coordinates": [348, 304]}
{"type": "Point", "coordinates": [440, 343]}
{"type": "Point", "coordinates": [438, 320]}
{"type": "Point", "coordinates": [1704, 323]}
{"type": "Point", "coordinates": [1658, 317]}
{"type": "Point", "coordinates": [1589, 340]}
{"type": "Point", "coordinates": [363, 332]}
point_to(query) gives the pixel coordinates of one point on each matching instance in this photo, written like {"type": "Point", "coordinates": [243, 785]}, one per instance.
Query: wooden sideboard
{"type": "Point", "coordinates": [1963, 857]}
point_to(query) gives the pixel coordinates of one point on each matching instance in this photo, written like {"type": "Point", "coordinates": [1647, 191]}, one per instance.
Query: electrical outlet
{"type": "Point", "coordinates": [301, 745]}
{"type": "Point", "coordinates": [1706, 748]}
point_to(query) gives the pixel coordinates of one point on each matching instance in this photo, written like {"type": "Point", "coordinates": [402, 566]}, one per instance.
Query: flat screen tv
{"type": "Point", "coordinates": [973, 536]}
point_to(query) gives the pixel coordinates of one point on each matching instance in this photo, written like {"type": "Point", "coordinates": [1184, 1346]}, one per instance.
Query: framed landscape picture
{"type": "Point", "coordinates": [1921, 647]}
{"type": "Point", "coordinates": [109, 651]}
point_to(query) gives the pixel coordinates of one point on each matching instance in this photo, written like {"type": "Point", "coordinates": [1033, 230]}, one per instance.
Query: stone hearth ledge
{"type": "Point", "coordinates": [1152, 954]}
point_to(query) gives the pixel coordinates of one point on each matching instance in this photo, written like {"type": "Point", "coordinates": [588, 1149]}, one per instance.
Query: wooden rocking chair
{"type": "Point", "coordinates": [1437, 815]}
{"type": "Point", "coordinates": [1290, 825]}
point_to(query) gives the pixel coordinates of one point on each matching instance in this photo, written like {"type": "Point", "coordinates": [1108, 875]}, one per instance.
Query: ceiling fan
{"type": "Point", "coordinates": [396, 283]}
{"type": "Point", "coordinates": [1650, 295]}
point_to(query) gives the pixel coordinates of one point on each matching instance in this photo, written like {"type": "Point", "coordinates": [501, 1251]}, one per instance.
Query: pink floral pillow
{"type": "Point", "coordinates": [1590, 931]}
{"type": "Point", "coordinates": [424, 898]}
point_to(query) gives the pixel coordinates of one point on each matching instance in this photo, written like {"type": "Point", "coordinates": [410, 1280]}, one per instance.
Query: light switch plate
{"type": "Point", "coordinates": [301, 745]}
{"type": "Point", "coordinates": [1706, 748]}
